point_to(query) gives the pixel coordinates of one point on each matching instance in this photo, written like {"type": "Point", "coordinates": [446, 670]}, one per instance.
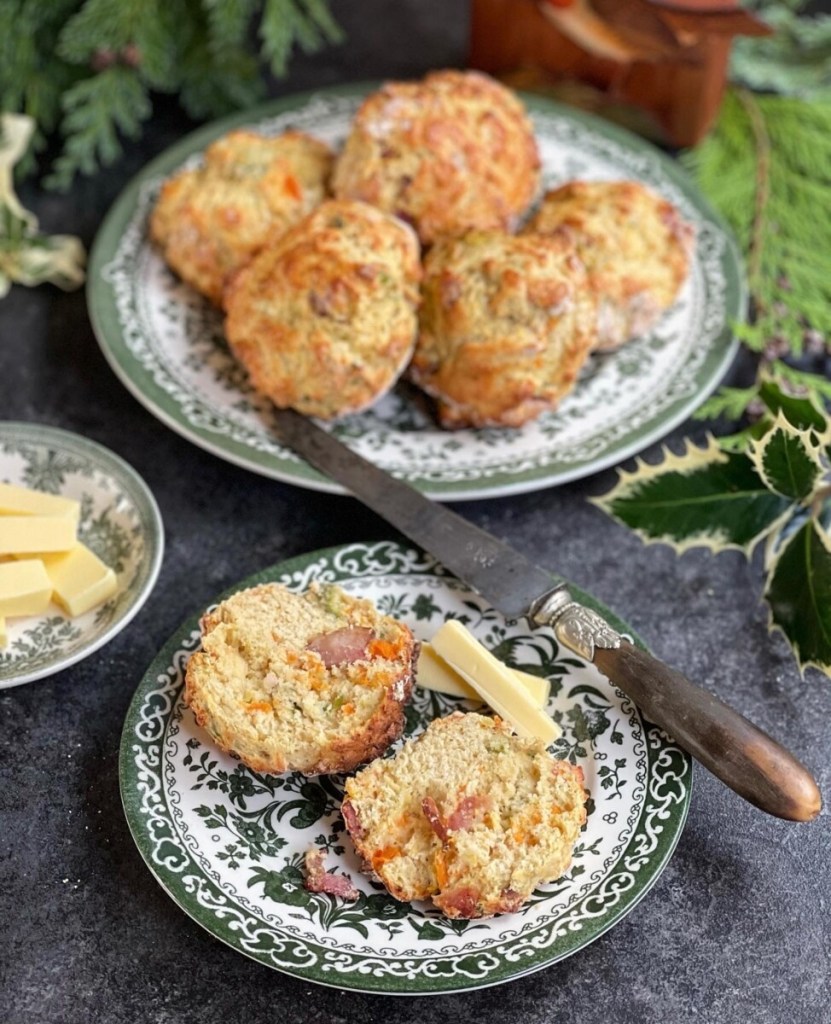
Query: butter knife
{"type": "Point", "coordinates": [743, 756]}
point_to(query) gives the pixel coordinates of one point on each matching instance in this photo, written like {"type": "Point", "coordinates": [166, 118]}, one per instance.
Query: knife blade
{"type": "Point", "coordinates": [744, 757]}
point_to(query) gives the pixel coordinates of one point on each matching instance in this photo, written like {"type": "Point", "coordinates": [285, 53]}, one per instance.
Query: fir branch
{"type": "Point", "coordinates": [795, 60]}
{"type": "Point", "coordinates": [767, 167]}
{"type": "Point", "coordinates": [284, 22]}
{"type": "Point", "coordinates": [228, 23]}
{"type": "Point", "coordinates": [204, 50]}
{"type": "Point", "coordinates": [32, 77]}
{"type": "Point", "coordinates": [761, 198]}
{"type": "Point", "coordinates": [96, 110]}
{"type": "Point", "coordinates": [214, 84]}
{"type": "Point", "coordinates": [102, 25]}
{"type": "Point", "coordinates": [731, 403]}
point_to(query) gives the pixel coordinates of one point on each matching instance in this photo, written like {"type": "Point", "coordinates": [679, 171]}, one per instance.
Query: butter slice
{"type": "Point", "coordinates": [494, 682]}
{"type": "Point", "coordinates": [25, 589]}
{"type": "Point", "coordinates": [434, 673]}
{"type": "Point", "coordinates": [22, 535]}
{"type": "Point", "coordinates": [79, 578]}
{"type": "Point", "coordinates": [23, 501]}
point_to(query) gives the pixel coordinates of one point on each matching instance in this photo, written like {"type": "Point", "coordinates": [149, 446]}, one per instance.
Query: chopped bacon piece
{"type": "Point", "coordinates": [461, 902]}
{"type": "Point", "coordinates": [512, 901]}
{"type": "Point", "coordinates": [465, 812]}
{"type": "Point", "coordinates": [351, 820]}
{"type": "Point", "coordinates": [341, 646]}
{"type": "Point", "coordinates": [431, 813]}
{"type": "Point", "coordinates": [318, 879]}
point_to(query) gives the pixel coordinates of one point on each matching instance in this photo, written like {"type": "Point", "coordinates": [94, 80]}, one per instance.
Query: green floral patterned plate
{"type": "Point", "coordinates": [228, 843]}
{"type": "Point", "coordinates": [119, 521]}
{"type": "Point", "coordinates": [167, 346]}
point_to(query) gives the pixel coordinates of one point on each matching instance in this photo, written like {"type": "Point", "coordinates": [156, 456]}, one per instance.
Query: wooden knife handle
{"type": "Point", "coordinates": [732, 748]}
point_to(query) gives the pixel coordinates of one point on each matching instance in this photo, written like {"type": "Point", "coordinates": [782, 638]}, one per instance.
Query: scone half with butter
{"type": "Point", "coordinates": [314, 682]}
{"type": "Point", "coordinates": [468, 815]}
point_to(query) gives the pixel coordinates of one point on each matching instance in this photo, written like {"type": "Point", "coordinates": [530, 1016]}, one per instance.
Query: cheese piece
{"type": "Point", "coordinates": [4, 636]}
{"type": "Point", "coordinates": [23, 501]}
{"type": "Point", "coordinates": [79, 578]}
{"type": "Point", "coordinates": [493, 681]}
{"type": "Point", "coordinates": [25, 589]}
{"type": "Point", "coordinates": [21, 535]}
{"type": "Point", "coordinates": [433, 673]}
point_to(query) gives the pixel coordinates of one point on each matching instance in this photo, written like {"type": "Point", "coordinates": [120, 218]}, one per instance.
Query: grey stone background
{"type": "Point", "coordinates": [735, 930]}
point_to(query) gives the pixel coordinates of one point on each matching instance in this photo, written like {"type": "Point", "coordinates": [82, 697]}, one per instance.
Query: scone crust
{"type": "Point", "coordinates": [250, 189]}
{"type": "Point", "coordinates": [449, 153]}
{"type": "Point", "coordinates": [325, 320]}
{"type": "Point", "coordinates": [634, 243]}
{"type": "Point", "coordinates": [468, 815]}
{"type": "Point", "coordinates": [506, 323]}
{"type": "Point", "coordinates": [264, 695]}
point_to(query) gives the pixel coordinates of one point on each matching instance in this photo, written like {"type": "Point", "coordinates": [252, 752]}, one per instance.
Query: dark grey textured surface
{"type": "Point", "coordinates": [735, 930]}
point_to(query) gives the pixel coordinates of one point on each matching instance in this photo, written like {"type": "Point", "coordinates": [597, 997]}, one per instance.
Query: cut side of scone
{"type": "Point", "coordinates": [313, 682]}
{"type": "Point", "coordinates": [468, 815]}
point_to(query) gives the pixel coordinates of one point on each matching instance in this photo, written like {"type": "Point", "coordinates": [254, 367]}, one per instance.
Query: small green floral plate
{"type": "Point", "coordinates": [120, 522]}
{"type": "Point", "coordinates": [166, 343]}
{"type": "Point", "coordinates": [227, 843]}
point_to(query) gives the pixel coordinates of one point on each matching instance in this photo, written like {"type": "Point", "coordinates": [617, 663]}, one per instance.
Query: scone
{"type": "Point", "coordinates": [313, 682]}
{"type": "Point", "coordinates": [451, 152]}
{"type": "Point", "coordinates": [468, 815]}
{"type": "Point", "coordinates": [635, 245]}
{"type": "Point", "coordinates": [506, 324]}
{"type": "Point", "coordinates": [325, 319]}
{"type": "Point", "coordinates": [209, 222]}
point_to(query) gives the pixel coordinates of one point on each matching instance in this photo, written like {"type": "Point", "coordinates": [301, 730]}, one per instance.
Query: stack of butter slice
{"type": "Point", "coordinates": [41, 558]}
{"type": "Point", "coordinates": [456, 663]}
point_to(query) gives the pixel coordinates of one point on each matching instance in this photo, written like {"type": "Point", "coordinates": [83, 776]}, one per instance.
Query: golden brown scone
{"type": "Point", "coordinates": [313, 682]}
{"type": "Point", "coordinates": [250, 190]}
{"type": "Point", "coordinates": [469, 816]}
{"type": "Point", "coordinates": [451, 152]}
{"type": "Point", "coordinates": [325, 320]}
{"type": "Point", "coordinates": [506, 324]}
{"type": "Point", "coordinates": [635, 245]}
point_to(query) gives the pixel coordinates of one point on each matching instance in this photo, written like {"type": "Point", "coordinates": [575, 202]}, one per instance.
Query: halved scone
{"type": "Point", "coordinates": [313, 682]}
{"type": "Point", "coordinates": [468, 815]}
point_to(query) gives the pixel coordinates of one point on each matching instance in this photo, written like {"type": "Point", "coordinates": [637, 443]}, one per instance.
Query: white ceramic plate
{"type": "Point", "coordinates": [167, 346]}
{"type": "Point", "coordinates": [120, 522]}
{"type": "Point", "coordinates": [227, 843]}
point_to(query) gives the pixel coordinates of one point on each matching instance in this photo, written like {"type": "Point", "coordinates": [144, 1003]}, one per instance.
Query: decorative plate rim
{"type": "Point", "coordinates": [144, 501]}
{"type": "Point", "coordinates": [500, 482]}
{"type": "Point", "coordinates": [133, 779]}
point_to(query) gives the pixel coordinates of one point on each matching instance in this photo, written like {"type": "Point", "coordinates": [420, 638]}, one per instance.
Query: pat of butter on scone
{"type": "Point", "coordinates": [28, 534]}
{"type": "Point", "coordinates": [23, 501]}
{"type": "Point", "coordinates": [79, 579]}
{"type": "Point", "coordinates": [493, 681]}
{"type": "Point", "coordinates": [434, 673]}
{"type": "Point", "coordinates": [25, 589]}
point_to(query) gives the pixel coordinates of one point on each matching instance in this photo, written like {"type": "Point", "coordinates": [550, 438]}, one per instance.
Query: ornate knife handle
{"type": "Point", "coordinates": [743, 756]}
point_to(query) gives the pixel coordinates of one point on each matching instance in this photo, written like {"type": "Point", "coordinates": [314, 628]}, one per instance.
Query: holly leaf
{"type": "Point", "coordinates": [799, 594]}
{"type": "Point", "coordinates": [787, 460]}
{"type": "Point", "coordinates": [705, 497]}
{"type": "Point", "coordinates": [800, 412]}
